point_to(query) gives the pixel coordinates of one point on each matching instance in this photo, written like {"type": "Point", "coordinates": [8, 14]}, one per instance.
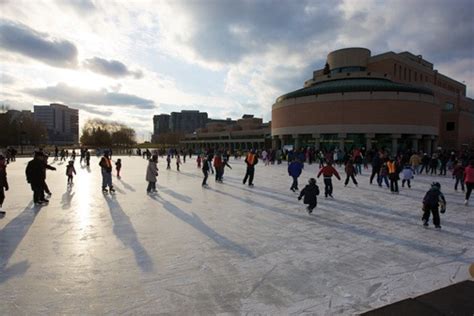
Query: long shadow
{"type": "Point", "coordinates": [10, 238]}
{"type": "Point", "coordinates": [66, 199]}
{"type": "Point", "coordinates": [198, 224]}
{"type": "Point", "coordinates": [176, 195]}
{"type": "Point", "coordinates": [125, 232]}
{"type": "Point", "coordinates": [333, 223]}
{"type": "Point", "coordinates": [127, 186]}
{"type": "Point", "coordinates": [264, 193]}
{"type": "Point", "coordinates": [391, 216]}
{"type": "Point", "coordinates": [188, 174]}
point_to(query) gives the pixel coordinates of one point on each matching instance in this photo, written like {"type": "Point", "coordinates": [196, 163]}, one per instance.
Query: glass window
{"type": "Point", "coordinates": [448, 106]}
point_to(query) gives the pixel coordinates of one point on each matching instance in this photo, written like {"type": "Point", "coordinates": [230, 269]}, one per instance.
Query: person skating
{"type": "Point", "coordinates": [106, 171]}
{"type": "Point", "coordinates": [168, 162]}
{"type": "Point", "coordinates": [151, 174]}
{"type": "Point", "coordinates": [393, 175]}
{"type": "Point", "coordinates": [469, 180]}
{"type": "Point", "coordinates": [376, 165]}
{"type": "Point", "coordinates": [47, 167]}
{"type": "Point", "coordinates": [225, 163]}
{"type": "Point", "coordinates": [407, 175]}
{"type": "Point", "coordinates": [383, 178]}
{"type": "Point", "coordinates": [458, 174]}
{"type": "Point", "coordinates": [251, 160]}
{"type": "Point", "coordinates": [118, 167]}
{"type": "Point", "coordinates": [431, 202]}
{"type": "Point", "coordinates": [205, 171]}
{"type": "Point", "coordinates": [35, 173]}
{"type": "Point", "coordinates": [88, 157]}
{"type": "Point", "coordinates": [328, 171]}
{"type": "Point", "coordinates": [415, 161]}
{"type": "Point", "coordinates": [3, 182]}
{"type": "Point", "coordinates": [351, 171]}
{"type": "Point", "coordinates": [425, 162]}
{"type": "Point", "coordinates": [178, 161]}
{"type": "Point", "coordinates": [310, 193]}
{"type": "Point", "coordinates": [198, 161]}
{"type": "Point", "coordinates": [70, 172]}
{"type": "Point", "coordinates": [294, 170]}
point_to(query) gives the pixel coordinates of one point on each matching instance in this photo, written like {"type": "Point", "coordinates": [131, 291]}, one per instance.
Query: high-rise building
{"type": "Point", "coordinates": [161, 124]}
{"type": "Point", "coordinates": [187, 121]}
{"type": "Point", "coordinates": [61, 122]}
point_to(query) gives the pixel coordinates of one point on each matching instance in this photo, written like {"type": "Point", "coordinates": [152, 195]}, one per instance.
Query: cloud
{"type": "Point", "coordinates": [72, 95]}
{"type": "Point", "coordinates": [80, 6]}
{"type": "Point", "coordinates": [6, 79]}
{"type": "Point", "coordinates": [92, 109]}
{"type": "Point", "coordinates": [20, 39]}
{"type": "Point", "coordinates": [111, 68]}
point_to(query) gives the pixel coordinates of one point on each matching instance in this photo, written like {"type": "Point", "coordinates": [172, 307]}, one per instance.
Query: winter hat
{"type": "Point", "coordinates": [312, 181]}
{"type": "Point", "coordinates": [436, 185]}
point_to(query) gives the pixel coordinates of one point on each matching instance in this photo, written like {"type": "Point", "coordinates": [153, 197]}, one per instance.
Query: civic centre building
{"type": "Point", "coordinates": [391, 100]}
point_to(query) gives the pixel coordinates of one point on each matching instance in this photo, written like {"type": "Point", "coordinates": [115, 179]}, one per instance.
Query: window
{"type": "Point", "coordinates": [448, 107]}
{"type": "Point", "coordinates": [450, 126]}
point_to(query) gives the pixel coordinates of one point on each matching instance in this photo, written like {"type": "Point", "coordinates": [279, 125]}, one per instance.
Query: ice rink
{"type": "Point", "coordinates": [225, 249]}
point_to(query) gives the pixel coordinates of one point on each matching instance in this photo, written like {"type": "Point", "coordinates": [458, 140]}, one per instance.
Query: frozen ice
{"type": "Point", "coordinates": [223, 249]}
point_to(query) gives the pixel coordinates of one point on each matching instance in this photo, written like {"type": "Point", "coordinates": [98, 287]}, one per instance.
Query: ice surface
{"type": "Point", "coordinates": [225, 249]}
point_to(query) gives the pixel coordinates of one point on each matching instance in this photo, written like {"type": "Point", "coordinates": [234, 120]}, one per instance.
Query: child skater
{"type": "Point", "coordinates": [118, 167]}
{"type": "Point", "coordinates": [3, 183]}
{"type": "Point", "coordinates": [431, 202]}
{"type": "Point", "coordinates": [407, 174]}
{"type": "Point", "coordinates": [310, 193]}
{"type": "Point", "coordinates": [198, 160]}
{"type": "Point", "coordinates": [70, 172]}
{"type": "Point", "coordinates": [151, 174]}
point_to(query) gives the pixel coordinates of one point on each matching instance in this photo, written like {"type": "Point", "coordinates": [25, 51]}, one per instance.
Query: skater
{"type": "Point", "coordinates": [3, 182]}
{"type": "Point", "coordinates": [328, 171]}
{"type": "Point", "coordinates": [118, 167]}
{"type": "Point", "coordinates": [73, 155]}
{"type": "Point", "coordinates": [425, 162]}
{"type": "Point", "coordinates": [351, 172]}
{"type": "Point", "coordinates": [35, 173]}
{"type": "Point", "coordinates": [106, 170]}
{"type": "Point", "coordinates": [168, 162]}
{"type": "Point", "coordinates": [198, 161]}
{"type": "Point", "coordinates": [458, 174]}
{"type": "Point", "coordinates": [46, 166]}
{"type": "Point", "coordinates": [56, 153]}
{"type": "Point", "coordinates": [431, 202]}
{"type": "Point", "coordinates": [469, 180]}
{"type": "Point", "coordinates": [205, 171]}
{"type": "Point", "coordinates": [70, 172]}
{"type": "Point", "coordinates": [376, 165]}
{"type": "Point", "coordinates": [408, 175]}
{"type": "Point", "coordinates": [383, 175]}
{"type": "Point", "coordinates": [88, 158]}
{"type": "Point", "coordinates": [251, 160]}
{"type": "Point", "coordinates": [415, 161]}
{"type": "Point", "coordinates": [151, 174]}
{"type": "Point", "coordinates": [392, 166]}
{"type": "Point", "coordinates": [310, 193]}
{"type": "Point", "coordinates": [294, 170]}
{"type": "Point", "coordinates": [178, 161]}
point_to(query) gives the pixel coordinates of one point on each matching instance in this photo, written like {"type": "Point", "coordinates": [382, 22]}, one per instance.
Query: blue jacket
{"type": "Point", "coordinates": [295, 168]}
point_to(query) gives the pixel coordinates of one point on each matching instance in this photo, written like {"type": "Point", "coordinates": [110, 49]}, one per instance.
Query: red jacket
{"type": "Point", "coordinates": [328, 172]}
{"type": "Point", "coordinates": [469, 174]}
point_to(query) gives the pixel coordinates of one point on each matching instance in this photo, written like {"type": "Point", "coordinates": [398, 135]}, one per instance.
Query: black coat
{"type": "Point", "coordinates": [310, 193]}
{"type": "Point", "coordinates": [35, 171]}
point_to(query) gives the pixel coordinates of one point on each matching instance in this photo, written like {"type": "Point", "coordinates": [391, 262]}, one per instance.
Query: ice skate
{"type": "Point", "coordinates": [438, 226]}
{"type": "Point", "coordinates": [466, 202]}
{"type": "Point", "coordinates": [425, 223]}
{"type": "Point", "coordinates": [104, 190]}
{"type": "Point", "coordinates": [112, 190]}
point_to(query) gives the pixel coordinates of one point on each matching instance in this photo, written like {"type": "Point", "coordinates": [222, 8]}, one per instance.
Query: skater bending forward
{"type": "Point", "coordinates": [431, 202]}
{"type": "Point", "coordinates": [310, 193]}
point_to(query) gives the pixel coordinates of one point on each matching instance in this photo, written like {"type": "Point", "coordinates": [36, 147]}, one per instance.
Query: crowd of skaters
{"type": "Point", "coordinates": [386, 170]}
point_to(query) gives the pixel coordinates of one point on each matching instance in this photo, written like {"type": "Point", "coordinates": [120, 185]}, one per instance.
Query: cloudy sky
{"type": "Point", "coordinates": [128, 60]}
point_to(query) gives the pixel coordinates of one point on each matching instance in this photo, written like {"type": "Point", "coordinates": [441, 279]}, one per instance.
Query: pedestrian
{"type": "Point", "coordinates": [328, 171]}
{"type": "Point", "coordinates": [106, 171]}
{"type": "Point", "coordinates": [408, 175]}
{"type": "Point", "coordinates": [70, 172]}
{"type": "Point", "coordinates": [205, 171]}
{"type": "Point", "coordinates": [310, 193]}
{"type": "Point", "coordinates": [431, 203]}
{"type": "Point", "coordinates": [469, 180]}
{"type": "Point", "coordinates": [118, 167]}
{"type": "Point", "coordinates": [458, 174]}
{"type": "Point", "coordinates": [35, 173]}
{"type": "Point", "coordinates": [3, 182]}
{"type": "Point", "coordinates": [294, 170]}
{"type": "Point", "coordinates": [151, 174]}
{"type": "Point", "coordinates": [251, 160]}
{"type": "Point", "coordinates": [351, 171]}
{"type": "Point", "coordinates": [393, 175]}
